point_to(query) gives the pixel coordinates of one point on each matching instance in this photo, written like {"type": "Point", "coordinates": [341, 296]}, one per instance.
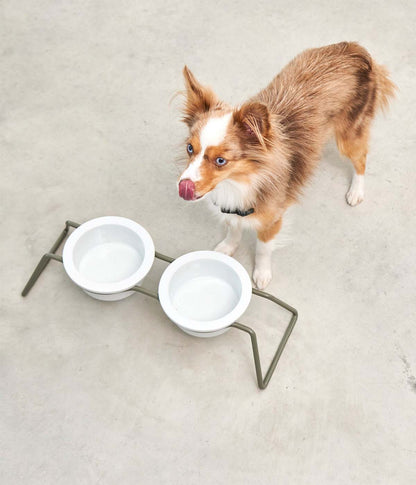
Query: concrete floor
{"type": "Point", "coordinates": [94, 392]}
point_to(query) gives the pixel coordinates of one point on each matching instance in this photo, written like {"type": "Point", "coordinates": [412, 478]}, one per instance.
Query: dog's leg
{"type": "Point", "coordinates": [355, 193]}
{"type": "Point", "coordinates": [232, 239]}
{"type": "Point", "coordinates": [262, 273]}
{"type": "Point", "coordinates": [354, 145]}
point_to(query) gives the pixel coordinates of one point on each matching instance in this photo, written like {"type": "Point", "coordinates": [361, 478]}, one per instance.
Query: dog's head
{"type": "Point", "coordinates": [223, 143]}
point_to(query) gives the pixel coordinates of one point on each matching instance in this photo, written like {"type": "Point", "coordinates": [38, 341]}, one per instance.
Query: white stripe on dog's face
{"type": "Point", "coordinates": [212, 134]}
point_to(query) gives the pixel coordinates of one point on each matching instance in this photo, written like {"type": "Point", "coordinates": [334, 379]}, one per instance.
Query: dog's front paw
{"type": "Point", "coordinates": [226, 248]}
{"type": "Point", "coordinates": [262, 277]}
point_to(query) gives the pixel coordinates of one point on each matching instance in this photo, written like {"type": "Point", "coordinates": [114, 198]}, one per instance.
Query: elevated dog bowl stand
{"type": "Point", "coordinates": [261, 381]}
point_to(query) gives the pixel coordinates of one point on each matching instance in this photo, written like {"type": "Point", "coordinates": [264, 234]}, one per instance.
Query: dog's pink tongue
{"type": "Point", "coordinates": [186, 189]}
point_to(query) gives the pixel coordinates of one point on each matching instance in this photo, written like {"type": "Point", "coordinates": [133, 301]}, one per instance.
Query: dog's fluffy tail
{"type": "Point", "coordinates": [386, 89]}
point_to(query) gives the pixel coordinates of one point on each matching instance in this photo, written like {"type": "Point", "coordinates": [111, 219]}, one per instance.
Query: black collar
{"type": "Point", "coordinates": [238, 212]}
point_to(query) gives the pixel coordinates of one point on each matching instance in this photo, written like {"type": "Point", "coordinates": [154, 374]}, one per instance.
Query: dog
{"type": "Point", "coordinates": [251, 162]}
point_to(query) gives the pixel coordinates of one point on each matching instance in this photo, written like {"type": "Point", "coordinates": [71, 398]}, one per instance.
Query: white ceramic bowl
{"type": "Point", "coordinates": [107, 256]}
{"type": "Point", "coordinates": [204, 292]}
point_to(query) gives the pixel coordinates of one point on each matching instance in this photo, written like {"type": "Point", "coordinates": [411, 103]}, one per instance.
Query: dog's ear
{"type": "Point", "coordinates": [199, 98]}
{"type": "Point", "coordinates": [253, 122]}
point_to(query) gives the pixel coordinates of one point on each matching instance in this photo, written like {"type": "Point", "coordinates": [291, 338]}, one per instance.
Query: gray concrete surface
{"type": "Point", "coordinates": [113, 393]}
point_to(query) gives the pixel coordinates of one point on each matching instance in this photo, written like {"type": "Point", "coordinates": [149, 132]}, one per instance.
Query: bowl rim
{"type": "Point", "coordinates": [209, 325]}
{"type": "Point", "coordinates": [108, 288]}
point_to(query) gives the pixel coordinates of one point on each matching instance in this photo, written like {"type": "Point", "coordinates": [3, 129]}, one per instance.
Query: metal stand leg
{"type": "Point", "coordinates": [262, 382]}
{"type": "Point", "coordinates": [44, 261]}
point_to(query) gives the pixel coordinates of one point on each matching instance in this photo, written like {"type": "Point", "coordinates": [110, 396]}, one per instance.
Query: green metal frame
{"type": "Point", "coordinates": [261, 381]}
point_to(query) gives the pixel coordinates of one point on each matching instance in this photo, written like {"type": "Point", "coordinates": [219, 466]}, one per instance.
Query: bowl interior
{"type": "Point", "coordinates": [205, 290]}
{"type": "Point", "coordinates": [108, 253]}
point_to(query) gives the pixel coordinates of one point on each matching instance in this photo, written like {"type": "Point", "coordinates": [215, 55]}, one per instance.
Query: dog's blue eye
{"type": "Point", "coordinates": [190, 149]}
{"type": "Point", "coordinates": [220, 161]}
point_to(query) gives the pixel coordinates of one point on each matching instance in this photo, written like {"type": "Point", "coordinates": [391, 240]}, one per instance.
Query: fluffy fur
{"type": "Point", "coordinates": [273, 142]}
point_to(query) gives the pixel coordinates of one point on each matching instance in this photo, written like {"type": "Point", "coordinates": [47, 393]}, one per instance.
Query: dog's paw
{"type": "Point", "coordinates": [262, 277]}
{"type": "Point", "coordinates": [226, 248]}
{"type": "Point", "coordinates": [355, 194]}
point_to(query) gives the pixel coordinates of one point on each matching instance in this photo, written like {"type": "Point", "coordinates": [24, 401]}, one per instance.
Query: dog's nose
{"type": "Point", "coordinates": [187, 189]}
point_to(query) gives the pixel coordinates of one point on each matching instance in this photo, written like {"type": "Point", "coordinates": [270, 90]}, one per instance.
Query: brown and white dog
{"type": "Point", "coordinates": [252, 161]}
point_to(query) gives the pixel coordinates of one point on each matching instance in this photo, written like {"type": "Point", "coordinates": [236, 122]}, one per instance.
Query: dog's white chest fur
{"type": "Point", "coordinates": [232, 195]}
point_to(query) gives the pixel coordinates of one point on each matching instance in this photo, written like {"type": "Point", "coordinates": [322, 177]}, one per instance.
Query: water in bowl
{"type": "Point", "coordinates": [205, 298]}
{"type": "Point", "coordinates": [110, 262]}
